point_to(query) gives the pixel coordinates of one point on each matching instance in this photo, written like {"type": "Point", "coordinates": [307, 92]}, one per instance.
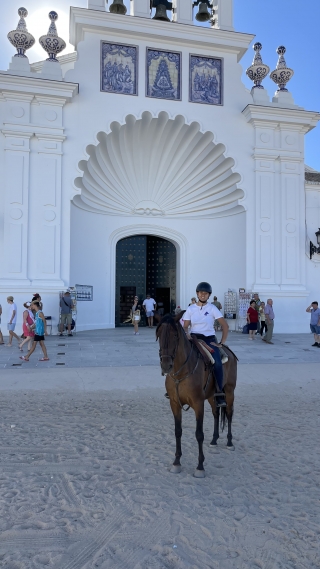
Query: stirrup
{"type": "Point", "coordinates": [220, 394]}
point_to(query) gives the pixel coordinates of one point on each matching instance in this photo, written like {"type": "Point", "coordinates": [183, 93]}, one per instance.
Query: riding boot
{"type": "Point", "coordinates": [220, 398]}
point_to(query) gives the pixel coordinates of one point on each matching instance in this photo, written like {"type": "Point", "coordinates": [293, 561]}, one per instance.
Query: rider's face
{"type": "Point", "coordinates": [203, 296]}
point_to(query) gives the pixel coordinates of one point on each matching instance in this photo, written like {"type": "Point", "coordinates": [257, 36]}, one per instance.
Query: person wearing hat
{"type": "Point", "coordinates": [12, 320]}
{"type": "Point", "coordinates": [201, 318]}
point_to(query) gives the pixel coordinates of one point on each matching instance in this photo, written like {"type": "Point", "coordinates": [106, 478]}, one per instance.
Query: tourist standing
{"type": "Point", "coordinates": [217, 303]}
{"type": "Point", "coordinates": [136, 315]}
{"type": "Point", "coordinates": [149, 305]}
{"type": "Point", "coordinates": [1, 337]}
{"type": "Point", "coordinates": [252, 319]}
{"type": "Point", "coordinates": [12, 320]}
{"type": "Point", "coordinates": [315, 322]}
{"type": "Point", "coordinates": [269, 313]}
{"type": "Point", "coordinates": [66, 313]}
{"type": "Point", "coordinates": [27, 326]}
{"type": "Point", "coordinates": [263, 325]}
{"type": "Point", "coordinates": [258, 304]}
{"type": "Point", "coordinates": [40, 333]}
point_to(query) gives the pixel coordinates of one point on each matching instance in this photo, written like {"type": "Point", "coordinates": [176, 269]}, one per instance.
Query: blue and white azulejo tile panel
{"type": "Point", "coordinates": [205, 80]}
{"type": "Point", "coordinates": [119, 68]}
{"type": "Point", "coordinates": [163, 74]}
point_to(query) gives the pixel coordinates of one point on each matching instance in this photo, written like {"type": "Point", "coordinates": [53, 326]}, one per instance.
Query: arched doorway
{"type": "Point", "coordinates": [144, 264]}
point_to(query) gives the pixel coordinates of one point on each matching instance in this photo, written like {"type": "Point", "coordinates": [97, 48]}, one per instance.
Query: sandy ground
{"type": "Point", "coordinates": [85, 481]}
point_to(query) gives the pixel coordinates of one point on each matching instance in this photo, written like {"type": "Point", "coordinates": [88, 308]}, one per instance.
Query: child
{"type": "Point", "coordinates": [40, 333]}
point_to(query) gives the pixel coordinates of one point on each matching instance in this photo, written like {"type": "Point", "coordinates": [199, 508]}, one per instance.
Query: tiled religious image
{"type": "Point", "coordinates": [205, 80]}
{"type": "Point", "coordinates": [119, 64]}
{"type": "Point", "coordinates": [163, 74]}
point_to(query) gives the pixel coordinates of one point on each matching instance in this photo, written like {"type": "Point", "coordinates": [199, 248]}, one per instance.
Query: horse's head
{"type": "Point", "coordinates": [167, 333]}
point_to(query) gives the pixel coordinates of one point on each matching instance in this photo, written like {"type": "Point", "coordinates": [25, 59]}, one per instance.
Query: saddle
{"type": "Point", "coordinates": [204, 350]}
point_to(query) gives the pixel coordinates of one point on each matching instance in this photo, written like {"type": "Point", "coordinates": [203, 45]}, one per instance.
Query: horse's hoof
{"type": "Point", "coordinates": [214, 448]}
{"type": "Point", "coordinates": [199, 473]}
{"type": "Point", "coordinates": [231, 447]}
{"type": "Point", "coordinates": [176, 469]}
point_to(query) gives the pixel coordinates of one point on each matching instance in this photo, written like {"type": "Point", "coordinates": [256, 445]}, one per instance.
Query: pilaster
{"type": "Point", "coordinates": [277, 200]}
{"type": "Point", "coordinates": [16, 206]}
{"type": "Point", "coordinates": [34, 134]}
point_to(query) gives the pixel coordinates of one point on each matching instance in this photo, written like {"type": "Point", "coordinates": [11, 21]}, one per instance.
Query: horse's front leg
{"type": "Point", "coordinates": [176, 410]}
{"type": "Point", "coordinates": [199, 411]}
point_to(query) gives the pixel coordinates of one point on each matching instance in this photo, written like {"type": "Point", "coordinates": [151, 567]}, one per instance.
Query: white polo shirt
{"type": "Point", "coordinates": [149, 304]}
{"type": "Point", "coordinates": [202, 318]}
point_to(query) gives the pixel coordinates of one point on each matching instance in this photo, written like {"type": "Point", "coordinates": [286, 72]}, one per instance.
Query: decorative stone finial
{"type": "Point", "coordinates": [282, 74]}
{"type": "Point", "coordinates": [51, 43]}
{"type": "Point", "coordinates": [258, 70]}
{"type": "Point", "coordinates": [20, 38]}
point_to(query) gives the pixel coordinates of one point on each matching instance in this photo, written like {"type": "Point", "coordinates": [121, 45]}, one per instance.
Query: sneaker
{"type": "Point", "coordinates": [60, 334]}
{"type": "Point", "coordinates": [220, 401]}
{"type": "Point", "coordinates": [70, 334]}
{"type": "Point", "coordinates": [224, 359]}
{"type": "Point", "coordinates": [315, 345]}
{"type": "Point", "coordinates": [166, 395]}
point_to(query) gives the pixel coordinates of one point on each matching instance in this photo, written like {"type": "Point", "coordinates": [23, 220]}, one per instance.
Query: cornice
{"type": "Point", "coordinates": [37, 86]}
{"type": "Point", "coordinates": [83, 20]}
{"type": "Point", "coordinates": [281, 116]}
{"type": "Point", "coordinates": [13, 129]}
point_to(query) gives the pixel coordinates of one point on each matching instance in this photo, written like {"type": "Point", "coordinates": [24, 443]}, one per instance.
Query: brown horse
{"type": "Point", "coordinates": [189, 381]}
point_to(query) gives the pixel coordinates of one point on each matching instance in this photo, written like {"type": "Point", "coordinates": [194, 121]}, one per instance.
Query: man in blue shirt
{"type": "Point", "coordinates": [315, 322]}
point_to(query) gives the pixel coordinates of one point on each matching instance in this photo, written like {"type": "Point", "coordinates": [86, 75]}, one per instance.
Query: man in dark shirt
{"type": "Point", "coordinates": [66, 313]}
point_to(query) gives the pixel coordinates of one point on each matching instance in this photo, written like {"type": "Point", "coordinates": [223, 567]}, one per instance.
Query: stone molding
{"type": "Point", "coordinates": [84, 21]}
{"type": "Point", "coordinates": [18, 85]}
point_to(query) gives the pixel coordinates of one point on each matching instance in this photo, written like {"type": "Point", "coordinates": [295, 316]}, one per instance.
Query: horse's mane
{"type": "Point", "coordinates": [167, 319]}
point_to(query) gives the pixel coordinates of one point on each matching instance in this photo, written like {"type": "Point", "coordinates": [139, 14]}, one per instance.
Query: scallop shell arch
{"type": "Point", "coordinates": [157, 166]}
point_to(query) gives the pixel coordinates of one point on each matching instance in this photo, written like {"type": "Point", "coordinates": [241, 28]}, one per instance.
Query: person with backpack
{"type": "Point", "coordinates": [66, 313]}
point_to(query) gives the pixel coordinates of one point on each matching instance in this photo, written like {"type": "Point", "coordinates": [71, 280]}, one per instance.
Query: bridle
{"type": "Point", "coordinates": [173, 376]}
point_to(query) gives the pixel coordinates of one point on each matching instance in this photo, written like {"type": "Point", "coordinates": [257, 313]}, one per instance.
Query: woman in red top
{"type": "Point", "coordinates": [252, 319]}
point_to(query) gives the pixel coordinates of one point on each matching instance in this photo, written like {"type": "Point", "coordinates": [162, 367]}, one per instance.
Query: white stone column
{"type": "Point", "coordinates": [140, 8]}
{"type": "Point", "coordinates": [182, 12]}
{"type": "Point", "coordinates": [15, 222]}
{"type": "Point", "coordinates": [277, 202]}
{"type": "Point", "coordinates": [224, 15]}
{"type": "Point", "coordinates": [97, 5]}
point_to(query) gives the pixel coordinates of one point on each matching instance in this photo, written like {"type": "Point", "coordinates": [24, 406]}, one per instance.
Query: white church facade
{"type": "Point", "coordinates": [141, 163]}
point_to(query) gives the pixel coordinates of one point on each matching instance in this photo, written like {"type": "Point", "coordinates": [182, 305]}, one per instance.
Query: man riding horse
{"type": "Point", "coordinates": [201, 317]}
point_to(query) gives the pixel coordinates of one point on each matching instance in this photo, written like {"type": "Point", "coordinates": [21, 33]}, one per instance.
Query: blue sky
{"type": "Point", "coordinates": [291, 23]}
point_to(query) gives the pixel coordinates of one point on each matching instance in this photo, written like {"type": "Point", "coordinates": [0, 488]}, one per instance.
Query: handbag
{"type": "Point", "coordinates": [245, 329]}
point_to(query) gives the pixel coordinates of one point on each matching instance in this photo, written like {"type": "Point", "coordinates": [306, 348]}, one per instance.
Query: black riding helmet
{"type": "Point", "coordinates": [204, 287]}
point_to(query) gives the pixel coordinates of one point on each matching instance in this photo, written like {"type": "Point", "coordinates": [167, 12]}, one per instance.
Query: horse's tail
{"type": "Point", "coordinates": [223, 418]}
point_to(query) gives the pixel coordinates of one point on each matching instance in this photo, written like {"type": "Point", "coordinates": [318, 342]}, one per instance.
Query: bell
{"type": "Point", "coordinates": [161, 13]}
{"type": "Point", "coordinates": [203, 14]}
{"type": "Point", "coordinates": [118, 7]}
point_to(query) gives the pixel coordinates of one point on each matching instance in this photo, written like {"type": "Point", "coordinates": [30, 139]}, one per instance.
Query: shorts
{"type": "Point", "coordinates": [315, 329]}
{"type": "Point", "coordinates": [38, 338]}
{"type": "Point", "coordinates": [137, 318]}
{"type": "Point", "coordinates": [11, 327]}
{"type": "Point", "coordinates": [151, 313]}
{"type": "Point", "coordinates": [253, 326]}
{"type": "Point", "coordinates": [66, 318]}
